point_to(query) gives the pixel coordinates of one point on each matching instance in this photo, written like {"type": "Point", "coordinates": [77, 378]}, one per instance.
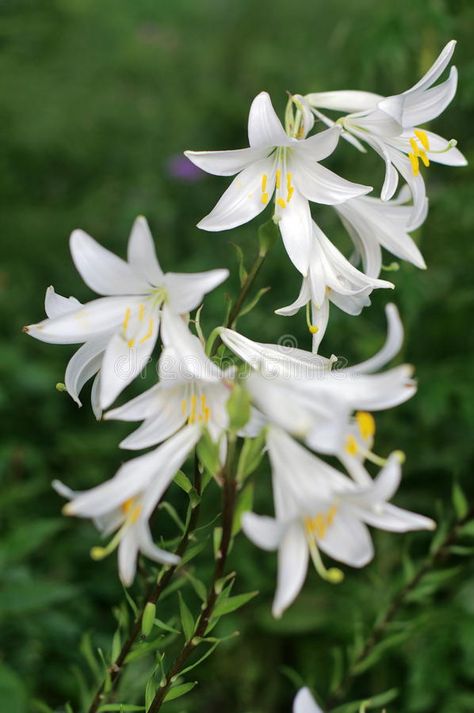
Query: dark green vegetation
{"type": "Point", "coordinates": [95, 97]}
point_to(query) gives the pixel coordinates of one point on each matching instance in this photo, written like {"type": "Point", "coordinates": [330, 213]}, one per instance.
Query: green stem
{"type": "Point", "coordinates": [229, 490]}
{"type": "Point", "coordinates": [152, 596]}
{"type": "Point", "coordinates": [380, 628]}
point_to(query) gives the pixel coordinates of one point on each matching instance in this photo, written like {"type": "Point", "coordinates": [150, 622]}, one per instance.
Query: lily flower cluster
{"type": "Point", "coordinates": [303, 408]}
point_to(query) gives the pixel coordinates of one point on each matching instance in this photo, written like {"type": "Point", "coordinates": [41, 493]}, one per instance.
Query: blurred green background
{"type": "Point", "coordinates": [96, 101]}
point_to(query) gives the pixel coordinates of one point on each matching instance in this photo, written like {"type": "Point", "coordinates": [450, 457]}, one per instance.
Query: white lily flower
{"type": "Point", "coordinates": [331, 278]}
{"type": "Point", "coordinates": [374, 224]}
{"type": "Point", "coordinates": [305, 703]}
{"type": "Point", "coordinates": [319, 508]}
{"type": "Point", "coordinates": [125, 322]}
{"type": "Point", "coordinates": [192, 389]}
{"type": "Point", "coordinates": [299, 392]}
{"type": "Point", "coordinates": [390, 126]}
{"type": "Point", "coordinates": [278, 165]}
{"type": "Point", "coordinates": [125, 503]}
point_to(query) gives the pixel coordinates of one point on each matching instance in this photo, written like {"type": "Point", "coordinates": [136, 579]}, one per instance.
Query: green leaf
{"type": "Point", "coordinates": [148, 618]}
{"type": "Point", "coordinates": [208, 453]}
{"type": "Point", "coordinates": [180, 690]}
{"type": "Point", "coordinates": [198, 586]}
{"type": "Point", "coordinates": [13, 695]}
{"type": "Point", "coordinates": [120, 708]}
{"type": "Point", "coordinates": [238, 408]}
{"type": "Point", "coordinates": [254, 302]}
{"type": "Point", "coordinates": [244, 504]}
{"type": "Point", "coordinates": [460, 503]}
{"type": "Point", "coordinates": [116, 645]}
{"type": "Point", "coordinates": [150, 691]}
{"type": "Point", "coordinates": [187, 621]}
{"type": "Point", "coordinates": [24, 541]}
{"type": "Point", "coordinates": [268, 235]}
{"type": "Point", "coordinates": [183, 481]}
{"type": "Point", "coordinates": [233, 603]}
{"type": "Point", "coordinates": [250, 456]}
{"type": "Point", "coordinates": [243, 274]}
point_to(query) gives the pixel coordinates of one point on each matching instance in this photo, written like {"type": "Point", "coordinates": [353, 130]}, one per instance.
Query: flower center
{"type": "Point", "coordinates": [196, 409]}
{"type": "Point", "coordinates": [131, 509]}
{"type": "Point", "coordinates": [319, 524]}
{"type": "Point", "coordinates": [420, 144]}
{"type": "Point", "coordinates": [284, 188]}
{"type": "Point", "coordinates": [136, 326]}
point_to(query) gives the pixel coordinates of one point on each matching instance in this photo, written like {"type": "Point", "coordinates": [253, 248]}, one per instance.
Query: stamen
{"type": "Point", "coordinates": [415, 164]}
{"type": "Point", "coordinates": [351, 446]}
{"type": "Point", "coordinates": [414, 147]}
{"type": "Point", "coordinates": [424, 158]}
{"type": "Point", "coordinates": [131, 343]}
{"type": "Point", "coordinates": [126, 319]}
{"type": "Point", "coordinates": [149, 332]}
{"type": "Point", "coordinates": [141, 312]}
{"type": "Point", "coordinates": [366, 424]}
{"type": "Point", "coordinates": [264, 198]}
{"type": "Point", "coordinates": [313, 329]}
{"type": "Point", "coordinates": [184, 407]}
{"type": "Point", "coordinates": [264, 182]}
{"type": "Point", "coordinates": [281, 202]}
{"type": "Point", "coordinates": [278, 178]}
{"type": "Point", "coordinates": [289, 186]}
{"type": "Point", "coordinates": [192, 415]}
{"type": "Point", "coordinates": [423, 138]}
{"type": "Point", "coordinates": [332, 575]}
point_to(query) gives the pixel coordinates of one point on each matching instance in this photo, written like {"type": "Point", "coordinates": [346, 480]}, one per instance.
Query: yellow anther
{"type": "Point", "coordinates": [184, 407]}
{"type": "Point", "coordinates": [278, 178]}
{"type": "Point", "coordinates": [424, 158]}
{"type": "Point", "coordinates": [149, 332]}
{"type": "Point", "coordinates": [130, 343]}
{"type": "Point", "coordinates": [98, 553]}
{"type": "Point", "coordinates": [351, 446]}
{"type": "Point", "coordinates": [264, 198]}
{"type": "Point", "coordinates": [289, 186]}
{"type": "Point", "coordinates": [131, 510]}
{"type": "Point", "coordinates": [415, 164]}
{"type": "Point", "coordinates": [141, 312]}
{"type": "Point", "coordinates": [207, 415]}
{"type": "Point", "coordinates": [281, 202]}
{"type": "Point", "coordinates": [415, 147]}
{"type": "Point", "coordinates": [313, 329]}
{"type": "Point", "coordinates": [366, 423]}
{"type": "Point", "coordinates": [192, 415]}
{"type": "Point", "coordinates": [423, 138]}
{"type": "Point", "coordinates": [264, 182]}
{"type": "Point", "coordinates": [318, 525]}
{"type": "Point", "coordinates": [126, 319]}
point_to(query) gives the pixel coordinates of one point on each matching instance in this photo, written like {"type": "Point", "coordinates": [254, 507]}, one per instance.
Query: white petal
{"type": "Point", "coordinates": [319, 146]}
{"type": "Point", "coordinates": [169, 457]}
{"type": "Point", "coordinates": [242, 201]}
{"type": "Point", "coordinates": [305, 703]}
{"type": "Point", "coordinates": [374, 392]}
{"type": "Point", "coordinates": [186, 291]}
{"type": "Point", "coordinates": [320, 319]}
{"type": "Point", "coordinates": [265, 532]}
{"type": "Point", "coordinates": [377, 121]}
{"type": "Point", "coordinates": [296, 231]}
{"type": "Point", "coordinates": [226, 163]}
{"type": "Point", "coordinates": [292, 568]}
{"type": "Point", "coordinates": [141, 407]}
{"type": "Point", "coordinates": [320, 185]}
{"type": "Point", "coordinates": [396, 519]}
{"type": "Point", "coordinates": [189, 360]}
{"type": "Point", "coordinates": [123, 362]}
{"type": "Point", "coordinates": [344, 100]}
{"type": "Point", "coordinates": [265, 128]}
{"type": "Point", "coordinates": [141, 252]}
{"type": "Point", "coordinates": [148, 547]}
{"type": "Point", "coordinates": [127, 557]}
{"type": "Point", "coordinates": [84, 364]}
{"type": "Point", "coordinates": [91, 320]}
{"type": "Point", "coordinates": [157, 428]}
{"type": "Point", "coordinates": [301, 301]}
{"type": "Point", "coordinates": [438, 153]}
{"type": "Point", "coordinates": [426, 106]}
{"type": "Point", "coordinates": [393, 344]}
{"type": "Point", "coordinates": [347, 540]}
{"type": "Point", "coordinates": [384, 486]}
{"type": "Point", "coordinates": [436, 69]}
{"type": "Point", "coordinates": [55, 305]}
{"type": "Point", "coordinates": [95, 397]}
{"type": "Point", "coordinates": [101, 270]}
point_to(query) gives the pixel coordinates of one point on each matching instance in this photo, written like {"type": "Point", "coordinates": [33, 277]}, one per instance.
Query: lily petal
{"type": "Point", "coordinates": [305, 703]}
{"type": "Point", "coordinates": [242, 201]}
{"type": "Point", "coordinates": [265, 128]}
{"type": "Point", "coordinates": [84, 364]}
{"type": "Point", "coordinates": [186, 291]}
{"type": "Point", "coordinates": [265, 532]}
{"type": "Point", "coordinates": [101, 270]}
{"type": "Point", "coordinates": [141, 252]}
{"type": "Point", "coordinates": [320, 185]}
{"type": "Point", "coordinates": [292, 568]}
{"type": "Point", "coordinates": [55, 305]}
{"type": "Point", "coordinates": [227, 163]}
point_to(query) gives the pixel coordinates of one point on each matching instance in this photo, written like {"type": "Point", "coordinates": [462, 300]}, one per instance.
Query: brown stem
{"type": "Point", "coordinates": [229, 490]}
{"type": "Point", "coordinates": [379, 629]}
{"type": "Point", "coordinates": [152, 596]}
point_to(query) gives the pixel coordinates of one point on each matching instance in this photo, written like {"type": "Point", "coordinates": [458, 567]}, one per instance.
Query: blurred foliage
{"type": "Point", "coordinates": [96, 98]}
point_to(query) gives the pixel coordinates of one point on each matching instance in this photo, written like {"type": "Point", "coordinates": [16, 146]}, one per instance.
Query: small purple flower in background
{"type": "Point", "coordinates": [182, 169]}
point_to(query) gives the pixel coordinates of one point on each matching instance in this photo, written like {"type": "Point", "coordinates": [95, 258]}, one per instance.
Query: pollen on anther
{"type": "Point", "coordinates": [281, 202]}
